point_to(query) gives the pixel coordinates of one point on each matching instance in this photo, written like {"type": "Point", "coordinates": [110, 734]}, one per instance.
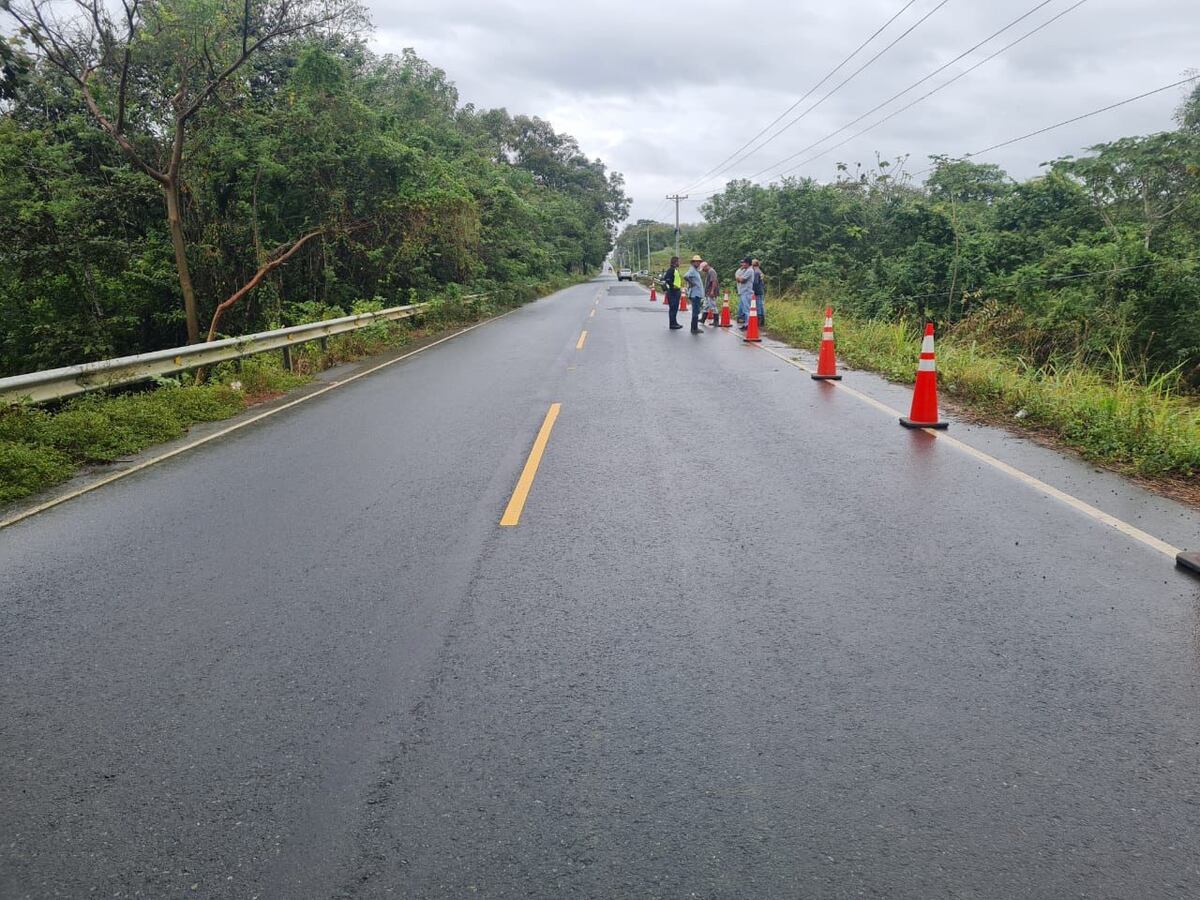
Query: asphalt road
{"type": "Point", "coordinates": [749, 639]}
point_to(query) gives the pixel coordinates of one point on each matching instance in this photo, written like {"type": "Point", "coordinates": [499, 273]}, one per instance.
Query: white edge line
{"type": "Point", "coordinates": [1075, 503]}
{"type": "Point", "coordinates": [146, 464]}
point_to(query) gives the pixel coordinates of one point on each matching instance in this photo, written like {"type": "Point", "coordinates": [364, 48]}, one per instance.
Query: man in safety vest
{"type": "Point", "coordinates": [673, 282]}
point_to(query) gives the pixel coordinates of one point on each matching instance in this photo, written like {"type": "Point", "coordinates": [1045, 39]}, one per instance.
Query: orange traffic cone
{"type": "Point", "coordinates": [666, 300]}
{"type": "Point", "coordinates": [924, 406]}
{"type": "Point", "coordinates": [683, 306]}
{"type": "Point", "coordinates": [752, 321]}
{"type": "Point", "coordinates": [827, 361]}
{"type": "Point", "coordinates": [725, 323]}
{"type": "Point", "coordinates": [653, 294]}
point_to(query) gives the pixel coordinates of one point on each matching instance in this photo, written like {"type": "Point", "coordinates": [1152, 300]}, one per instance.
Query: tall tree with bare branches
{"type": "Point", "coordinates": [144, 69]}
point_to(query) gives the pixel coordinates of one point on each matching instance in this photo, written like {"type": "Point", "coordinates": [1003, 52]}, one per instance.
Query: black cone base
{"type": "Point", "coordinates": [826, 377]}
{"type": "Point", "coordinates": [909, 423]}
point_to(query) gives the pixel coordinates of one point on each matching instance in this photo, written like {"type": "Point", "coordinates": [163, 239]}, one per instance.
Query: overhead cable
{"type": "Point", "coordinates": [934, 74]}
{"type": "Point", "coordinates": [717, 168]}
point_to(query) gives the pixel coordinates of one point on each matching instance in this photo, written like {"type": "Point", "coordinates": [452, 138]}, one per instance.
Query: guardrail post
{"type": "Point", "coordinates": [287, 358]}
{"type": "Point", "coordinates": [324, 342]}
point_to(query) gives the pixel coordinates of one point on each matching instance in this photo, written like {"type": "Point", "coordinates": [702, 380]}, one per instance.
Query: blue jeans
{"type": "Point", "coordinates": [743, 311]}
{"type": "Point", "coordinates": [697, 304]}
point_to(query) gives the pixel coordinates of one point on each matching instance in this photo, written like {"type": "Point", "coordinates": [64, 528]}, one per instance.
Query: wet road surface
{"type": "Point", "coordinates": [749, 639]}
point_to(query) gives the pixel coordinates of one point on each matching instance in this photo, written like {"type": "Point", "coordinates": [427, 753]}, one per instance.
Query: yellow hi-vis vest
{"type": "Point", "coordinates": [678, 279]}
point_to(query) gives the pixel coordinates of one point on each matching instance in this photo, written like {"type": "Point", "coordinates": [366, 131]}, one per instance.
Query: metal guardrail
{"type": "Point", "coordinates": [70, 381]}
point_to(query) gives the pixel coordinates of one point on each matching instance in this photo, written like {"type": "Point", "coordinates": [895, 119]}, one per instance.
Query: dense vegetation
{"type": "Point", "coordinates": [1096, 262]}
{"type": "Point", "coordinates": [257, 163]}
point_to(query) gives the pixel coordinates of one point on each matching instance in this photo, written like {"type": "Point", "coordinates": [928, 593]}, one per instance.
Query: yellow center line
{"type": "Point", "coordinates": [582, 338]}
{"type": "Point", "coordinates": [1025, 478]}
{"type": "Point", "coordinates": [592, 314]}
{"type": "Point", "coordinates": [512, 514]}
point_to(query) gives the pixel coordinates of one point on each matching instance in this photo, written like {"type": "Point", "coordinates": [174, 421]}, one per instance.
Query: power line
{"type": "Point", "coordinates": [841, 85]}
{"type": "Point", "coordinates": [934, 74]}
{"type": "Point", "coordinates": [717, 168]}
{"type": "Point", "coordinates": [1094, 112]}
{"type": "Point", "coordinates": [937, 89]}
{"type": "Point", "coordinates": [1023, 137]}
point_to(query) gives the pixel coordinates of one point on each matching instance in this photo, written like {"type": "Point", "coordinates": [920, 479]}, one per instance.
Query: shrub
{"type": "Point", "coordinates": [25, 470]}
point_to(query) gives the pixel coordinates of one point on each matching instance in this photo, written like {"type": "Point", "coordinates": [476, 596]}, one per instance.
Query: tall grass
{"type": "Point", "coordinates": [1141, 424]}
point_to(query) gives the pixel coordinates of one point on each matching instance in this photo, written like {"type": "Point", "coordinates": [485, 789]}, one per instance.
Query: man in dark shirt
{"type": "Point", "coordinates": [673, 283]}
{"type": "Point", "coordinates": [712, 290]}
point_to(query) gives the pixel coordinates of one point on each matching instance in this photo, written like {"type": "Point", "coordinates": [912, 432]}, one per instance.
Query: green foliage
{"type": "Point", "coordinates": [39, 449]}
{"type": "Point", "coordinates": [411, 192]}
{"type": "Point", "coordinates": [25, 470]}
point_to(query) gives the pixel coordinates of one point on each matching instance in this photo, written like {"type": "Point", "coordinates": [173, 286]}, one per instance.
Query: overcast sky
{"type": "Point", "coordinates": [664, 93]}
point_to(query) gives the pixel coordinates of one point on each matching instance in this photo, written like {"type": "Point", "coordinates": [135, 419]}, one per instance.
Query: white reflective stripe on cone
{"type": "Point", "coordinates": [927, 344]}
{"type": "Point", "coordinates": [927, 365]}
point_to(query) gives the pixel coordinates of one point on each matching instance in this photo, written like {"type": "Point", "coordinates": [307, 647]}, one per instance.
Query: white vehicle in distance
{"type": "Point", "coordinates": [624, 275]}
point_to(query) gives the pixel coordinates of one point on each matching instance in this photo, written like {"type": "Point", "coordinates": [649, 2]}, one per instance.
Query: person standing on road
{"type": "Point", "coordinates": [712, 288]}
{"type": "Point", "coordinates": [673, 284]}
{"type": "Point", "coordinates": [745, 288]}
{"type": "Point", "coordinates": [695, 288]}
{"type": "Point", "coordinates": [760, 292]}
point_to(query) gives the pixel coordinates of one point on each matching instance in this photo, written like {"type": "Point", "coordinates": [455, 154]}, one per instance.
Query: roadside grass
{"type": "Point", "coordinates": [41, 447]}
{"type": "Point", "coordinates": [1142, 426]}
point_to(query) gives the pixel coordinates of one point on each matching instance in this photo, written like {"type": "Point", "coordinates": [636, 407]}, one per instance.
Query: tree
{"type": "Point", "coordinates": [146, 74]}
{"type": "Point", "coordinates": [1140, 180]}
{"type": "Point", "coordinates": [320, 180]}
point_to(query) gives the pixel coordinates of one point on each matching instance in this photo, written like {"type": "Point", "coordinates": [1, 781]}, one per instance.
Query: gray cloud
{"type": "Point", "coordinates": [663, 94]}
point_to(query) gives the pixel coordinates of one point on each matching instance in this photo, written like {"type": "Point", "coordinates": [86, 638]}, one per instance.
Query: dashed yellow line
{"type": "Point", "coordinates": [592, 314]}
{"type": "Point", "coordinates": [582, 339]}
{"type": "Point", "coordinates": [1098, 515]}
{"type": "Point", "coordinates": [516, 504]}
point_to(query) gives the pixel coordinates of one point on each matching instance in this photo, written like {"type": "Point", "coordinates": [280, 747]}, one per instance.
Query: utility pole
{"type": "Point", "coordinates": [647, 246]}
{"type": "Point", "coordinates": [676, 198]}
